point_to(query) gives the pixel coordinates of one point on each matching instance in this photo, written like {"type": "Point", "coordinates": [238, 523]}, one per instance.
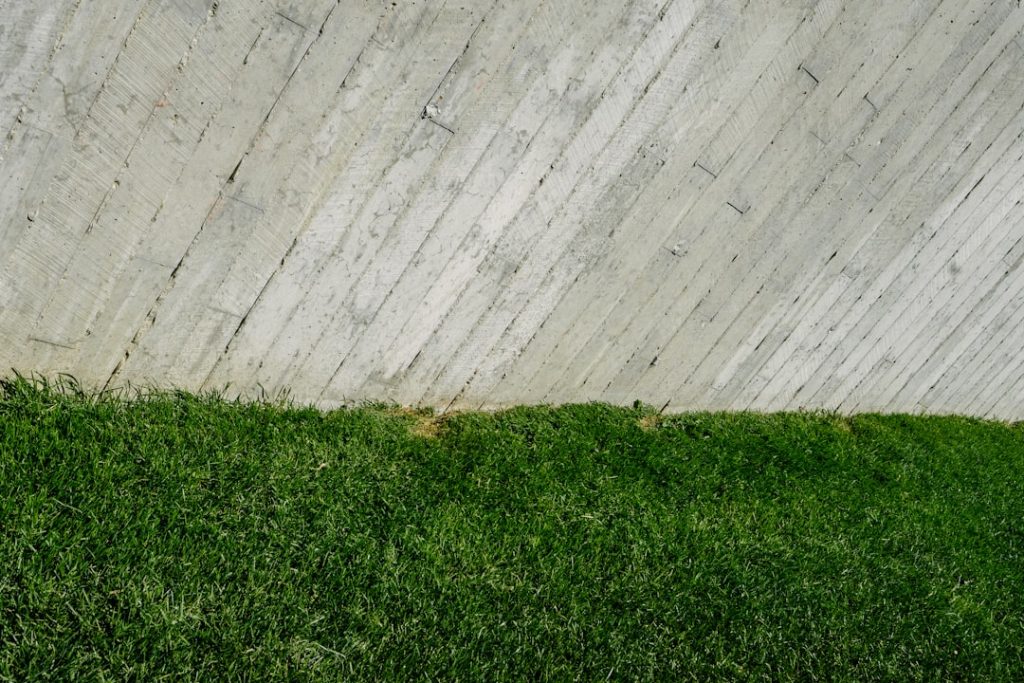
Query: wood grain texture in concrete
{"type": "Point", "coordinates": [730, 204]}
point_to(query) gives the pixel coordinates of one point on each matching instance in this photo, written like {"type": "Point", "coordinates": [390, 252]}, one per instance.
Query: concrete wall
{"type": "Point", "coordinates": [698, 203]}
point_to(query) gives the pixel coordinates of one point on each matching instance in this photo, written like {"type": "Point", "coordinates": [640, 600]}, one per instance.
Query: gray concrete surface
{"type": "Point", "coordinates": [765, 204]}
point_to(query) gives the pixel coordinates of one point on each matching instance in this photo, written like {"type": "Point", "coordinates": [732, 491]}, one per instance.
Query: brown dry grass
{"type": "Point", "coordinates": [422, 423]}
{"type": "Point", "coordinates": [649, 422]}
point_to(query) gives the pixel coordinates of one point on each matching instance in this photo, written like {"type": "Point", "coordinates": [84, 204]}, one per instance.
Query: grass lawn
{"type": "Point", "coordinates": [180, 537]}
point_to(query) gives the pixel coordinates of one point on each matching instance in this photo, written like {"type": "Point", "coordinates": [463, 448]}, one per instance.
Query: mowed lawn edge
{"type": "Point", "coordinates": [183, 537]}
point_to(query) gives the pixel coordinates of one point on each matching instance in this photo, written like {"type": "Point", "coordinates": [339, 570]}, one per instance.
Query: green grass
{"type": "Point", "coordinates": [181, 537]}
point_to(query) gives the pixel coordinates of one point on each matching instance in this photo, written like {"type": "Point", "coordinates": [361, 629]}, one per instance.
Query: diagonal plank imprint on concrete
{"type": "Point", "coordinates": [743, 204]}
